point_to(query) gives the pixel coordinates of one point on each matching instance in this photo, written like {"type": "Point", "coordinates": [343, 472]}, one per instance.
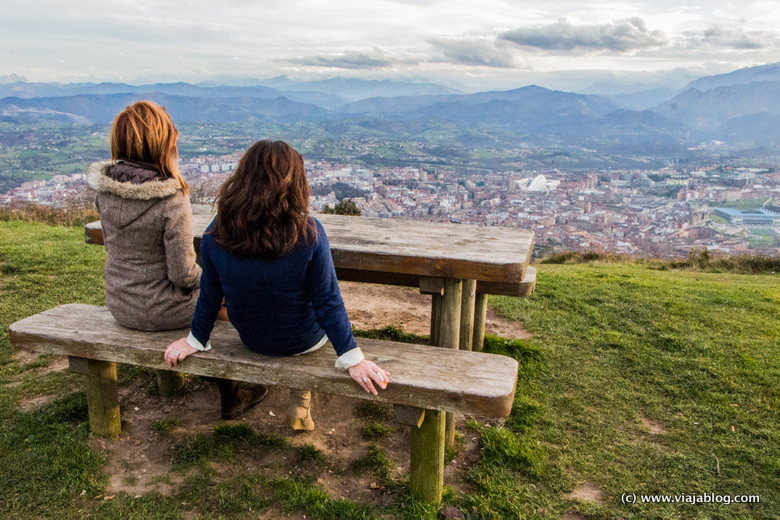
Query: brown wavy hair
{"type": "Point", "coordinates": [263, 207]}
{"type": "Point", "coordinates": [144, 132]}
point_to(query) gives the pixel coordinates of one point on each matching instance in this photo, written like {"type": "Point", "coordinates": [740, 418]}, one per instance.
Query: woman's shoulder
{"type": "Point", "coordinates": [314, 221]}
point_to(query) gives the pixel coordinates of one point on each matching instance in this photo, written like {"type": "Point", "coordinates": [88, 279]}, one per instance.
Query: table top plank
{"type": "Point", "coordinates": [494, 255]}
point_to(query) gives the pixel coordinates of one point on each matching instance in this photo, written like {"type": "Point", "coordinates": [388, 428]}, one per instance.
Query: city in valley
{"type": "Point", "coordinates": [661, 212]}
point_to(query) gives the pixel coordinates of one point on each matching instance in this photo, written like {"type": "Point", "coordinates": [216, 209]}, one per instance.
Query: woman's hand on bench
{"type": "Point", "coordinates": [366, 373]}
{"type": "Point", "coordinates": [177, 351]}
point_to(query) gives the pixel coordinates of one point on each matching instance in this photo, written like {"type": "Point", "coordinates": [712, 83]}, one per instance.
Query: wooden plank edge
{"type": "Point", "coordinates": [494, 405]}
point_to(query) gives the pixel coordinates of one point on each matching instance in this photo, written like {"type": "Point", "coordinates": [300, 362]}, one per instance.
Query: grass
{"type": "Point", "coordinates": [640, 377]}
{"type": "Point", "coordinates": [376, 462]}
{"type": "Point", "coordinates": [376, 431]}
{"type": "Point", "coordinates": [164, 428]}
{"type": "Point", "coordinates": [625, 345]}
{"type": "Point", "coordinates": [224, 442]}
{"type": "Point", "coordinates": [740, 204]}
{"type": "Point", "coordinates": [698, 260]}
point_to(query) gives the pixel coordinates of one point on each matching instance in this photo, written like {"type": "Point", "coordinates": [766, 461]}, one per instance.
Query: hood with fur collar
{"type": "Point", "coordinates": [99, 179]}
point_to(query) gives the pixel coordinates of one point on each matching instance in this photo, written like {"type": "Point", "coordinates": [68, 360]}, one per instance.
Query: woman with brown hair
{"type": "Point", "coordinates": [152, 280]}
{"type": "Point", "coordinates": [270, 261]}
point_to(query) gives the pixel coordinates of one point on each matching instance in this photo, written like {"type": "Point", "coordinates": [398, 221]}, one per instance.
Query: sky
{"type": "Point", "coordinates": [471, 45]}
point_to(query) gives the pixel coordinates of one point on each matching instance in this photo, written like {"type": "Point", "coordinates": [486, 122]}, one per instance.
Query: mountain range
{"type": "Point", "coordinates": [741, 108]}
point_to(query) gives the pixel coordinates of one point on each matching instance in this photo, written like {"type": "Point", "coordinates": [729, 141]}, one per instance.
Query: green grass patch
{"type": "Point", "coordinates": [376, 431]}
{"type": "Point", "coordinates": [626, 345]}
{"type": "Point", "coordinates": [376, 462]}
{"type": "Point", "coordinates": [165, 427]}
{"type": "Point", "coordinates": [308, 454]}
{"type": "Point", "coordinates": [224, 442]}
{"type": "Point", "coordinates": [302, 495]}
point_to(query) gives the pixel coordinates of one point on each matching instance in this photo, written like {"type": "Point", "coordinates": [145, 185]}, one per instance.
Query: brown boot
{"type": "Point", "coordinates": [237, 399]}
{"type": "Point", "coordinates": [299, 413]}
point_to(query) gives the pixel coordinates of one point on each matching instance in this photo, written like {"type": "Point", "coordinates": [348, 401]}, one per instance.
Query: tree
{"type": "Point", "coordinates": [345, 207]}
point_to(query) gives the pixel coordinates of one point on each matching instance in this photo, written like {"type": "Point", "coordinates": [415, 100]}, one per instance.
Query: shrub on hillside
{"type": "Point", "coordinates": [701, 260]}
{"type": "Point", "coordinates": [77, 213]}
{"type": "Point", "coordinates": [345, 207]}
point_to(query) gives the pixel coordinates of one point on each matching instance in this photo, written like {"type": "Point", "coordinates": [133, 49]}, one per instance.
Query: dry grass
{"type": "Point", "coordinates": [76, 213]}
{"type": "Point", "coordinates": [698, 260]}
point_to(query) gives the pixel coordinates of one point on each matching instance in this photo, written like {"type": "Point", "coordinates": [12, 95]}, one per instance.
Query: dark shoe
{"type": "Point", "coordinates": [237, 400]}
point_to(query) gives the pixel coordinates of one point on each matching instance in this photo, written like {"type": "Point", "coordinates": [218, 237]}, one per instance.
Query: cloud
{"type": "Point", "coordinates": [723, 37]}
{"type": "Point", "coordinates": [349, 60]}
{"type": "Point", "coordinates": [478, 52]}
{"type": "Point", "coordinates": [620, 36]}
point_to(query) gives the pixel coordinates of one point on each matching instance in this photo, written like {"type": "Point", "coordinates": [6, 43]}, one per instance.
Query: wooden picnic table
{"type": "Point", "coordinates": [459, 265]}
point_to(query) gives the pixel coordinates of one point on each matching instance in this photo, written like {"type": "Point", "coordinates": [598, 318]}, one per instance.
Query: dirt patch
{"type": "Point", "coordinates": [654, 427]}
{"type": "Point", "coordinates": [25, 357]}
{"type": "Point", "coordinates": [28, 357]}
{"type": "Point", "coordinates": [587, 492]}
{"type": "Point", "coordinates": [28, 405]}
{"type": "Point", "coordinates": [373, 306]}
{"type": "Point", "coordinates": [141, 461]}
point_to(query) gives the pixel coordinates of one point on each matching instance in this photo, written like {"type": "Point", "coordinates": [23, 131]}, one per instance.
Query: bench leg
{"type": "Point", "coordinates": [103, 398]}
{"type": "Point", "coordinates": [480, 315]}
{"type": "Point", "coordinates": [168, 382]}
{"type": "Point", "coordinates": [426, 472]}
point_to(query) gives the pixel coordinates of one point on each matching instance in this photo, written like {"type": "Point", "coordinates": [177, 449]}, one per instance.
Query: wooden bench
{"type": "Point", "coordinates": [426, 382]}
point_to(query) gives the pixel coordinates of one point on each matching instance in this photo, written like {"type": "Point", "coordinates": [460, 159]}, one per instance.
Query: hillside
{"type": "Point", "coordinates": [635, 379]}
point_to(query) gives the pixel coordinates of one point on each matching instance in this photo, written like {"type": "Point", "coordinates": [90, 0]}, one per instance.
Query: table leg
{"type": "Point", "coordinates": [169, 382]}
{"type": "Point", "coordinates": [449, 336]}
{"type": "Point", "coordinates": [467, 314]}
{"type": "Point", "coordinates": [480, 315]}
{"type": "Point", "coordinates": [435, 318]}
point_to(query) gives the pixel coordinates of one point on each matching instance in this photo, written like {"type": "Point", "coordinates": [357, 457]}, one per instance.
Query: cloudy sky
{"type": "Point", "coordinates": [475, 44]}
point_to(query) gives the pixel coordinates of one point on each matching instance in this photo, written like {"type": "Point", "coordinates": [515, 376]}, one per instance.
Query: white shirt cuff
{"type": "Point", "coordinates": [197, 345]}
{"type": "Point", "coordinates": [350, 358]}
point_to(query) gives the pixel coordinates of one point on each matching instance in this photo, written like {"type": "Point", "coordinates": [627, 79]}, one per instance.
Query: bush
{"type": "Point", "coordinates": [77, 213]}
{"type": "Point", "coordinates": [345, 207]}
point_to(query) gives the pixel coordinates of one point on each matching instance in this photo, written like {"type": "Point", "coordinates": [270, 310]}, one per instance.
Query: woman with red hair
{"type": "Point", "coordinates": [152, 280]}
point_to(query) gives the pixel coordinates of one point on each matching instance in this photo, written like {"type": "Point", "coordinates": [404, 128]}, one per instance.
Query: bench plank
{"type": "Point", "coordinates": [423, 377]}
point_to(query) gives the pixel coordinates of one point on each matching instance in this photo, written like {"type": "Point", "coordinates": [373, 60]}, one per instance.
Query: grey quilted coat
{"type": "Point", "coordinates": [152, 280]}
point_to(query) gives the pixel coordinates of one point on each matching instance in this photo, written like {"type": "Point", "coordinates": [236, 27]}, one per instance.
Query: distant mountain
{"type": "Point", "coordinates": [644, 99]}
{"type": "Point", "coordinates": [14, 113]}
{"type": "Point", "coordinates": [526, 109]}
{"type": "Point", "coordinates": [769, 72]}
{"type": "Point", "coordinates": [103, 108]}
{"type": "Point", "coordinates": [714, 107]}
{"type": "Point", "coordinates": [738, 113]}
{"type": "Point", "coordinates": [36, 90]}
{"type": "Point", "coordinates": [753, 130]}
{"type": "Point", "coordinates": [355, 89]}
{"type": "Point", "coordinates": [530, 95]}
{"type": "Point", "coordinates": [612, 88]}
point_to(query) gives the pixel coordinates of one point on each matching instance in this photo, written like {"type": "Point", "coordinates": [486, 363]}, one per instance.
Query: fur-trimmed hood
{"type": "Point", "coordinates": [99, 179]}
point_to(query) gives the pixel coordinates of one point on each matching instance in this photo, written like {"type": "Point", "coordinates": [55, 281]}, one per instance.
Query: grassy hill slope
{"type": "Point", "coordinates": [637, 380]}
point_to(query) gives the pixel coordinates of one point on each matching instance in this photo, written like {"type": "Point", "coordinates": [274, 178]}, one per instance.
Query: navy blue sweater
{"type": "Point", "coordinates": [279, 307]}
